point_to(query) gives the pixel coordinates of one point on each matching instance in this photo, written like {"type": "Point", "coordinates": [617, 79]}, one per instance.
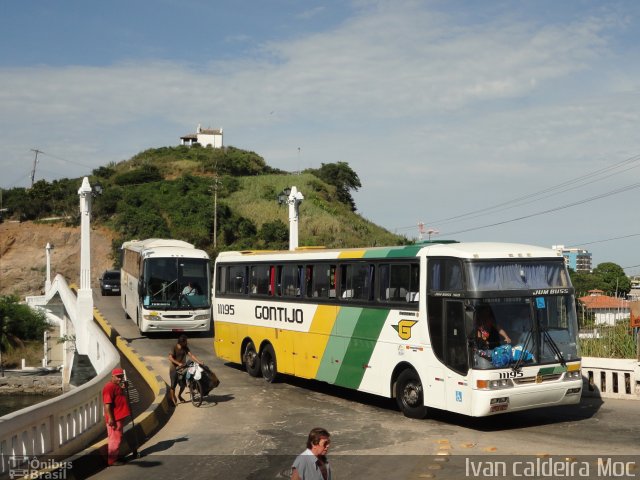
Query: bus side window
{"type": "Point", "coordinates": [324, 283]}
{"type": "Point", "coordinates": [309, 281]}
{"type": "Point", "coordinates": [238, 279]}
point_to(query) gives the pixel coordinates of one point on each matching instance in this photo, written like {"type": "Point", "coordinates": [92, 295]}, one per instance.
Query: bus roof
{"type": "Point", "coordinates": [161, 247]}
{"type": "Point", "coordinates": [477, 250]}
{"type": "Point", "coordinates": [154, 243]}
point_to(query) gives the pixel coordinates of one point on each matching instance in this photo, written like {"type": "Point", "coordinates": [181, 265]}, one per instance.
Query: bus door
{"type": "Point", "coordinates": [455, 337]}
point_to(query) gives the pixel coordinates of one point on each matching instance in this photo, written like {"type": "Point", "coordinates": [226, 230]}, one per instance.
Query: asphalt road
{"type": "Point", "coordinates": [250, 429]}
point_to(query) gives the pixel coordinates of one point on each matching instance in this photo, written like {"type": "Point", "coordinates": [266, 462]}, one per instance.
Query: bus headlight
{"type": "Point", "coordinates": [494, 384]}
{"type": "Point", "coordinates": [574, 375]}
{"type": "Point", "coordinates": [203, 316]}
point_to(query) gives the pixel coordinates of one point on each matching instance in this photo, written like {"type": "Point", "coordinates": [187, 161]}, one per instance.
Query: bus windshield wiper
{"type": "Point", "coordinates": [518, 365]}
{"type": "Point", "coordinates": [554, 347]}
{"type": "Point", "coordinates": [164, 287]}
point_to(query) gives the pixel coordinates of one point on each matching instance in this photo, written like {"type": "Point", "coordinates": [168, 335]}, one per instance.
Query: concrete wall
{"type": "Point", "coordinates": [66, 424]}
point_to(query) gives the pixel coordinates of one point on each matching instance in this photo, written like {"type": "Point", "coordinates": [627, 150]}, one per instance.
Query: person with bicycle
{"type": "Point", "coordinates": [178, 359]}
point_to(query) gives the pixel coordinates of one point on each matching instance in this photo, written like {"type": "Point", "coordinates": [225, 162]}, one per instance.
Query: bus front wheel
{"type": "Point", "coordinates": [251, 360]}
{"type": "Point", "coordinates": [410, 394]}
{"type": "Point", "coordinates": [268, 364]}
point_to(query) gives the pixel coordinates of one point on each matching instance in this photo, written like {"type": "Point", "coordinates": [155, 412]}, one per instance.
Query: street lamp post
{"type": "Point", "coordinates": [85, 295]}
{"type": "Point", "coordinates": [293, 198]}
{"type": "Point", "coordinates": [47, 282]}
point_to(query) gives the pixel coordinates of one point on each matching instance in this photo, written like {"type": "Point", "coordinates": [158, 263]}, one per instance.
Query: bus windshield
{"type": "Point", "coordinates": [175, 283]}
{"type": "Point", "coordinates": [503, 275]}
{"type": "Point", "coordinates": [522, 331]}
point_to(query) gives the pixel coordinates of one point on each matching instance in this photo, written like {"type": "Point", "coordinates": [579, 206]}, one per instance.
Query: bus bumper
{"type": "Point", "coordinates": [493, 402]}
{"type": "Point", "coordinates": [168, 325]}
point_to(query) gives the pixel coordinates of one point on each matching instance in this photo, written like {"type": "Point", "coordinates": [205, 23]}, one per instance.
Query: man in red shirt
{"type": "Point", "coordinates": [116, 410]}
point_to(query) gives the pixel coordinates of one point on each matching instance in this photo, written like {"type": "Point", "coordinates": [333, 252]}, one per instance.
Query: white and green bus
{"type": "Point", "coordinates": [166, 285]}
{"type": "Point", "coordinates": [401, 322]}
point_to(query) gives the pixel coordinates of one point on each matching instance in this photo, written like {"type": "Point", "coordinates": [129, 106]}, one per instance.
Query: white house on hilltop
{"type": "Point", "coordinates": [204, 137]}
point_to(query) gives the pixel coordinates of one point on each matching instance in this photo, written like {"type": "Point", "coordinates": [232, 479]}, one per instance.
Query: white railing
{"type": "Point", "coordinates": [66, 424]}
{"type": "Point", "coordinates": [611, 378]}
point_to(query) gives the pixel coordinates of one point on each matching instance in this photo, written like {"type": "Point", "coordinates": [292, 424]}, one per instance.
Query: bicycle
{"type": "Point", "coordinates": [200, 380]}
{"type": "Point", "coordinates": [195, 387]}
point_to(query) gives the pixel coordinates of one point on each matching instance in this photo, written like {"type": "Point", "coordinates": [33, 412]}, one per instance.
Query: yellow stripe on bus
{"type": "Point", "coordinates": [352, 254]}
{"type": "Point", "coordinates": [309, 347]}
{"type": "Point", "coordinates": [297, 353]}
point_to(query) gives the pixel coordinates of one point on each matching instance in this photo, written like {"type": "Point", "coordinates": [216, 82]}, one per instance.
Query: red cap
{"type": "Point", "coordinates": [117, 371]}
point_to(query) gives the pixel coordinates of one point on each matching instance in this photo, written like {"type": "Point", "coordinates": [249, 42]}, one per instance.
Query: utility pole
{"type": "Point", "coordinates": [215, 212]}
{"type": "Point", "coordinates": [35, 162]}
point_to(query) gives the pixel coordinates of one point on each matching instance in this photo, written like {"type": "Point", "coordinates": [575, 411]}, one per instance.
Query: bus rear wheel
{"type": "Point", "coordinates": [410, 394]}
{"type": "Point", "coordinates": [268, 364]}
{"type": "Point", "coordinates": [251, 360]}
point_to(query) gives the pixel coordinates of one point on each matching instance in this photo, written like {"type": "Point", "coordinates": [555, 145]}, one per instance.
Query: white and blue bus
{"type": "Point", "coordinates": [402, 322]}
{"type": "Point", "coordinates": [166, 285]}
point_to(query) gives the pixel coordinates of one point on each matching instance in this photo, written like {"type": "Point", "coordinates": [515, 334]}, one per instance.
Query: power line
{"type": "Point", "coordinates": [573, 204]}
{"type": "Point", "coordinates": [36, 162]}
{"type": "Point", "coordinates": [559, 188]}
{"type": "Point", "coordinates": [67, 160]}
{"type": "Point", "coordinates": [602, 241]}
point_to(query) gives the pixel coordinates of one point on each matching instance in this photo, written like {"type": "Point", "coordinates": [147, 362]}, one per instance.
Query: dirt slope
{"type": "Point", "coordinates": [23, 266]}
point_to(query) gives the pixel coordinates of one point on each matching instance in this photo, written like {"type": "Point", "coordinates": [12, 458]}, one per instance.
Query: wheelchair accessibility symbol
{"type": "Point", "coordinates": [458, 396]}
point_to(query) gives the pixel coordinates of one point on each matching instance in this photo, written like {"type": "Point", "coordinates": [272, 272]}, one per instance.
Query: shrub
{"type": "Point", "coordinates": [19, 322]}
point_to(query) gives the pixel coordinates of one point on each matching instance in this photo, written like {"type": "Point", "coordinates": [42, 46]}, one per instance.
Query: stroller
{"type": "Point", "coordinates": [201, 380]}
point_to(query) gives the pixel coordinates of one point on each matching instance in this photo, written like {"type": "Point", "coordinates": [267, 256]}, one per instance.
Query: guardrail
{"type": "Point", "coordinates": [66, 424]}
{"type": "Point", "coordinates": [611, 378]}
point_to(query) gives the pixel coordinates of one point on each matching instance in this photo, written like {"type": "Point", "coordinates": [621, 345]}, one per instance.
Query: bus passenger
{"type": "Point", "coordinates": [488, 334]}
{"type": "Point", "coordinates": [178, 359]}
{"type": "Point", "coordinates": [312, 464]}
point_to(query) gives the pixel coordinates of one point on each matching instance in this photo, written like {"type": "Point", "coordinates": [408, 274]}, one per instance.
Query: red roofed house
{"type": "Point", "coordinates": [204, 136]}
{"type": "Point", "coordinates": [606, 310]}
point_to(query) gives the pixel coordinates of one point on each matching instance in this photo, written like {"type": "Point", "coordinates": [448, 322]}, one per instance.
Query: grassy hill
{"type": "Point", "coordinates": [323, 220]}
{"type": "Point", "coordinates": [169, 192]}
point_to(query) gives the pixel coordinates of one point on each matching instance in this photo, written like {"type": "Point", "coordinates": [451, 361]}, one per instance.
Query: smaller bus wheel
{"type": "Point", "coordinates": [410, 395]}
{"type": "Point", "coordinates": [268, 364]}
{"type": "Point", "coordinates": [251, 360]}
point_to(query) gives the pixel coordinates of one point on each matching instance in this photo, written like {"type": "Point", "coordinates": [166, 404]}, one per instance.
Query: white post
{"type": "Point", "coordinates": [295, 198]}
{"type": "Point", "coordinates": [47, 282]}
{"type": "Point", "coordinates": [45, 360]}
{"type": "Point", "coordinates": [85, 295]}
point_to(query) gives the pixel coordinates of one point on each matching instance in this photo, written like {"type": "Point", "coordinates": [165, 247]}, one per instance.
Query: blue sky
{"type": "Point", "coordinates": [443, 108]}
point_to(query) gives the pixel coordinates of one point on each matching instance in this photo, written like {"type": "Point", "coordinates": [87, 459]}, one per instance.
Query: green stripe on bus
{"type": "Point", "coordinates": [361, 345]}
{"type": "Point", "coordinates": [552, 370]}
{"type": "Point", "coordinates": [334, 352]}
{"type": "Point", "coordinates": [397, 252]}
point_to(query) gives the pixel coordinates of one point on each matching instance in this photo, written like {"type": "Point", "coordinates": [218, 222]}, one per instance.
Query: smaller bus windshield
{"type": "Point", "coordinates": [175, 283]}
{"type": "Point", "coordinates": [522, 331]}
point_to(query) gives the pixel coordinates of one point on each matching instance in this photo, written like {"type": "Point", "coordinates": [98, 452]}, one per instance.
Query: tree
{"type": "Point", "coordinates": [341, 176]}
{"type": "Point", "coordinates": [275, 234]}
{"type": "Point", "coordinates": [583, 282]}
{"type": "Point", "coordinates": [612, 279]}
